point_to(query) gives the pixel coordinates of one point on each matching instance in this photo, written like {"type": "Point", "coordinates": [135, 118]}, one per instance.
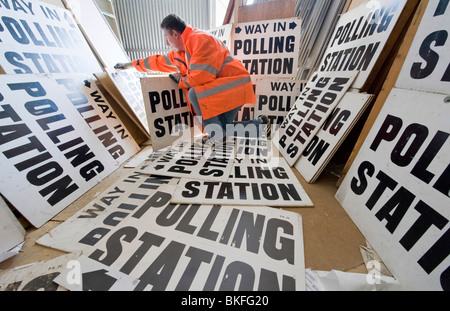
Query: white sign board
{"type": "Point", "coordinates": [98, 32]}
{"type": "Point", "coordinates": [195, 161]}
{"type": "Point", "coordinates": [196, 247]}
{"type": "Point", "coordinates": [252, 182]}
{"type": "Point", "coordinates": [167, 110]}
{"type": "Point", "coordinates": [36, 37]}
{"type": "Point", "coordinates": [397, 190]}
{"type": "Point", "coordinates": [427, 66]}
{"type": "Point", "coordinates": [322, 94]}
{"type": "Point", "coordinates": [128, 83]}
{"type": "Point", "coordinates": [268, 48]}
{"type": "Point", "coordinates": [56, 143]}
{"type": "Point", "coordinates": [359, 39]}
{"type": "Point", "coordinates": [276, 97]}
{"type": "Point", "coordinates": [334, 131]}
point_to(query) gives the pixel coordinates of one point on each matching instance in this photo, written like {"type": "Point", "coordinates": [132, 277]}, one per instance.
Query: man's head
{"type": "Point", "coordinates": [173, 27]}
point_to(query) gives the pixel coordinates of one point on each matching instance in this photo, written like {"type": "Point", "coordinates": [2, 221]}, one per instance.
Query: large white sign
{"type": "Point", "coordinates": [55, 142]}
{"type": "Point", "coordinates": [360, 38]}
{"type": "Point", "coordinates": [189, 247]}
{"type": "Point", "coordinates": [268, 48]}
{"type": "Point", "coordinates": [397, 190]}
{"type": "Point", "coordinates": [276, 97]}
{"type": "Point", "coordinates": [252, 182]}
{"type": "Point", "coordinates": [321, 95]}
{"type": "Point", "coordinates": [36, 37]}
{"type": "Point", "coordinates": [324, 145]}
{"type": "Point", "coordinates": [427, 66]}
{"type": "Point", "coordinates": [167, 110]}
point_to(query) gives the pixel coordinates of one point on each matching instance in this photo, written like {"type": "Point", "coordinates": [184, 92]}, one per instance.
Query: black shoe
{"type": "Point", "coordinates": [267, 127]}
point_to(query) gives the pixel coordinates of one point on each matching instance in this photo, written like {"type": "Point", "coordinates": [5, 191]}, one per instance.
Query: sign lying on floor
{"type": "Point", "coordinates": [397, 190]}
{"type": "Point", "coordinates": [200, 248]}
{"type": "Point", "coordinates": [322, 94]}
{"type": "Point", "coordinates": [252, 182]}
{"type": "Point", "coordinates": [426, 67]}
{"type": "Point", "coordinates": [55, 142]}
{"type": "Point", "coordinates": [167, 110]}
{"type": "Point", "coordinates": [11, 231]}
{"type": "Point", "coordinates": [324, 145]}
{"type": "Point", "coordinates": [193, 160]}
{"type": "Point", "coordinates": [359, 39]}
{"type": "Point", "coordinates": [268, 48]}
{"type": "Point", "coordinates": [276, 97]}
{"type": "Point", "coordinates": [38, 37]}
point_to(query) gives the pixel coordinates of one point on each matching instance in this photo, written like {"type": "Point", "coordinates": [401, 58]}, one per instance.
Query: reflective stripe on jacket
{"type": "Point", "coordinates": [221, 82]}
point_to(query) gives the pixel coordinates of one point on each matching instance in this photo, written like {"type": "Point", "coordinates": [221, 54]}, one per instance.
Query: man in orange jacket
{"type": "Point", "coordinates": [217, 85]}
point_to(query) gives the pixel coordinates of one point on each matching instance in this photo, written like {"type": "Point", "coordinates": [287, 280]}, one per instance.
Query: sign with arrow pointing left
{"type": "Point", "coordinates": [268, 48]}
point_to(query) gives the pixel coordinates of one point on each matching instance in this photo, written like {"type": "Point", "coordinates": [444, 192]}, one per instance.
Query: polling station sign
{"type": "Point", "coordinates": [167, 110]}
{"type": "Point", "coordinates": [54, 147]}
{"type": "Point", "coordinates": [276, 97]}
{"type": "Point", "coordinates": [194, 160]}
{"type": "Point", "coordinates": [198, 247]}
{"type": "Point", "coordinates": [360, 38]}
{"type": "Point", "coordinates": [427, 66]}
{"type": "Point", "coordinates": [321, 95]}
{"type": "Point", "coordinates": [397, 190]}
{"type": "Point", "coordinates": [268, 48]}
{"type": "Point", "coordinates": [334, 131]}
{"type": "Point", "coordinates": [251, 182]}
{"type": "Point", "coordinates": [37, 37]}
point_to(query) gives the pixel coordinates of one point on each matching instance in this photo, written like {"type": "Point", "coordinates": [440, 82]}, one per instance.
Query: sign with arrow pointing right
{"type": "Point", "coordinates": [268, 48]}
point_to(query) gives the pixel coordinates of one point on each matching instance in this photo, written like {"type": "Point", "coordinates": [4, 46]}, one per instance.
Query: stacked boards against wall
{"type": "Point", "coordinates": [397, 189]}
{"type": "Point", "coordinates": [61, 133]}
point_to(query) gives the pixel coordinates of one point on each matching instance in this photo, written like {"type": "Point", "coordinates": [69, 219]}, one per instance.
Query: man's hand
{"type": "Point", "coordinates": [123, 66]}
{"type": "Point", "coordinates": [175, 77]}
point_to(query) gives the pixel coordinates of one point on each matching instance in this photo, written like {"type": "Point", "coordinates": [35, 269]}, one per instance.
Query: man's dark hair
{"type": "Point", "coordinates": [173, 22]}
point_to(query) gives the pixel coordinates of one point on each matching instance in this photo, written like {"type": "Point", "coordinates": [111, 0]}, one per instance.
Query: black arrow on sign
{"type": "Point", "coordinates": [292, 25]}
{"type": "Point", "coordinates": [238, 30]}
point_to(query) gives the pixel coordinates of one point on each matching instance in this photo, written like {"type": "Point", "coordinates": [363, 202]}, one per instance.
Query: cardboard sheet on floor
{"type": "Point", "coordinates": [11, 231]}
{"type": "Point", "coordinates": [360, 38]}
{"type": "Point", "coordinates": [321, 95]}
{"type": "Point", "coordinates": [38, 37]}
{"type": "Point", "coordinates": [327, 141]}
{"type": "Point", "coordinates": [251, 182]}
{"type": "Point", "coordinates": [53, 145]}
{"type": "Point", "coordinates": [397, 190]}
{"type": "Point", "coordinates": [201, 247]}
{"type": "Point", "coordinates": [194, 160]}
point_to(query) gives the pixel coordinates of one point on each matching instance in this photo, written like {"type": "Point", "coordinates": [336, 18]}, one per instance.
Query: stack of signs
{"type": "Point", "coordinates": [40, 38]}
{"type": "Point", "coordinates": [332, 134]}
{"type": "Point", "coordinates": [266, 49]}
{"type": "Point", "coordinates": [58, 138]}
{"type": "Point", "coordinates": [275, 97]}
{"type": "Point", "coordinates": [321, 95]}
{"type": "Point", "coordinates": [167, 110]}
{"type": "Point", "coordinates": [133, 238]}
{"type": "Point", "coordinates": [397, 190]}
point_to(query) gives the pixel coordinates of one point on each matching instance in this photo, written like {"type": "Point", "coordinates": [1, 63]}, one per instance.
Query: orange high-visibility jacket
{"type": "Point", "coordinates": [221, 82]}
